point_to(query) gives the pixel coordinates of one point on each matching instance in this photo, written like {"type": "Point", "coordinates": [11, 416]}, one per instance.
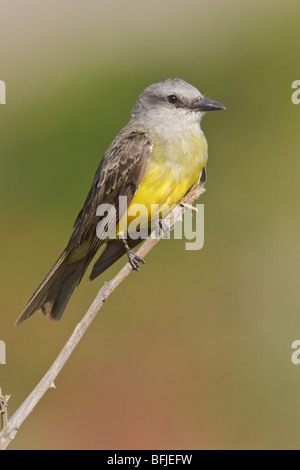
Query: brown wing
{"type": "Point", "coordinates": [119, 174]}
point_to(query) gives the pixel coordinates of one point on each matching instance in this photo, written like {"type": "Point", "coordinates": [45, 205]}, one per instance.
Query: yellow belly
{"type": "Point", "coordinates": [171, 172]}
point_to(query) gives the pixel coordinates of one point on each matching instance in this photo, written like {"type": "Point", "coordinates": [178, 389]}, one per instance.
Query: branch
{"type": "Point", "coordinates": [12, 426]}
{"type": "Point", "coordinates": [3, 409]}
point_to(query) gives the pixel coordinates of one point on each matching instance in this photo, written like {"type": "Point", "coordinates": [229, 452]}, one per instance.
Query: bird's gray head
{"type": "Point", "coordinates": [173, 97]}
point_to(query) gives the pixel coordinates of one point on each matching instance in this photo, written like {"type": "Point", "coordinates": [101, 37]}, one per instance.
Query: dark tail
{"type": "Point", "coordinates": [53, 294]}
{"type": "Point", "coordinates": [113, 251]}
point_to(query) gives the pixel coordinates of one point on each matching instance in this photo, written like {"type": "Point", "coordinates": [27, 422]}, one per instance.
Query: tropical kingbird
{"type": "Point", "coordinates": [156, 159]}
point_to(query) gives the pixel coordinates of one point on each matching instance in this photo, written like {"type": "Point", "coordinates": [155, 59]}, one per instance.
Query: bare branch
{"type": "Point", "coordinates": [11, 428]}
{"type": "Point", "coordinates": [3, 409]}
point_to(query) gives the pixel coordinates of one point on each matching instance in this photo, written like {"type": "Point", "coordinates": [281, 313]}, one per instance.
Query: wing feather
{"type": "Point", "coordinates": [119, 174]}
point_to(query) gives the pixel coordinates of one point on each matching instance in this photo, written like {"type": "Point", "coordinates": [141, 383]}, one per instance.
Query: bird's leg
{"type": "Point", "coordinates": [134, 259]}
{"type": "Point", "coordinates": [162, 228]}
{"type": "Point", "coordinates": [165, 228]}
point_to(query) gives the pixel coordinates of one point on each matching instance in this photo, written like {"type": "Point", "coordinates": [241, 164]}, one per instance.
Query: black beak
{"type": "Point", "coordinates": [204, 104]}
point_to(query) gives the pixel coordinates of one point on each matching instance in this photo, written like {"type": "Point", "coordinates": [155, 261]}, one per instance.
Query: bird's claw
{"type": "Point", "coordinates": [135, 260]}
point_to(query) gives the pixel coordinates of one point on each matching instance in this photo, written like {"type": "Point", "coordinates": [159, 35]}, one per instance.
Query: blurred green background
{"type": "Point", "coordinates": [194, 351]}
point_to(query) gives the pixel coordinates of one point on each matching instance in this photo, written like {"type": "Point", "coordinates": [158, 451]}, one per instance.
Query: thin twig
{"type": "Point", "coordinates": [3, 410]}
{"type": "Point", "coordinates": [12, 426]}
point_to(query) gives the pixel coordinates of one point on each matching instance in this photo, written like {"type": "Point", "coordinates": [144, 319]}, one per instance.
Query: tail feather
{"type": "Point", "coordinates": [53, 294]}
{"type": "Point", "coordinates": [112, 252]}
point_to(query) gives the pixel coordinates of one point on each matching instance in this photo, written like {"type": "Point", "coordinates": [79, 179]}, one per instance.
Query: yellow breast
{"type": "Point", "coordinates": [173, 169]}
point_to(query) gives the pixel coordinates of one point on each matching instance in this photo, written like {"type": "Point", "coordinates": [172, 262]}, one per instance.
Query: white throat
{"type": "Point", "coordinates": [171, 124]}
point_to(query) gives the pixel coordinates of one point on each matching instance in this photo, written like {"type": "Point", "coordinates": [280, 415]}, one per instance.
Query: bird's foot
{"type": "Point", "coordinates": [161, 229]}
{"type": "Point", "coordinates": [134, 260]}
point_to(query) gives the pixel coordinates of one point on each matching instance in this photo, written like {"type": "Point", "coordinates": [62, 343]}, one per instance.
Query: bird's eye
{"type": "Point", "coordinates": [172, 99]}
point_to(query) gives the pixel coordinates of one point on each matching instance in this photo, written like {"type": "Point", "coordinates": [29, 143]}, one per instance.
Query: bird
{"type": "Point", "coordinates": [155, 159]}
